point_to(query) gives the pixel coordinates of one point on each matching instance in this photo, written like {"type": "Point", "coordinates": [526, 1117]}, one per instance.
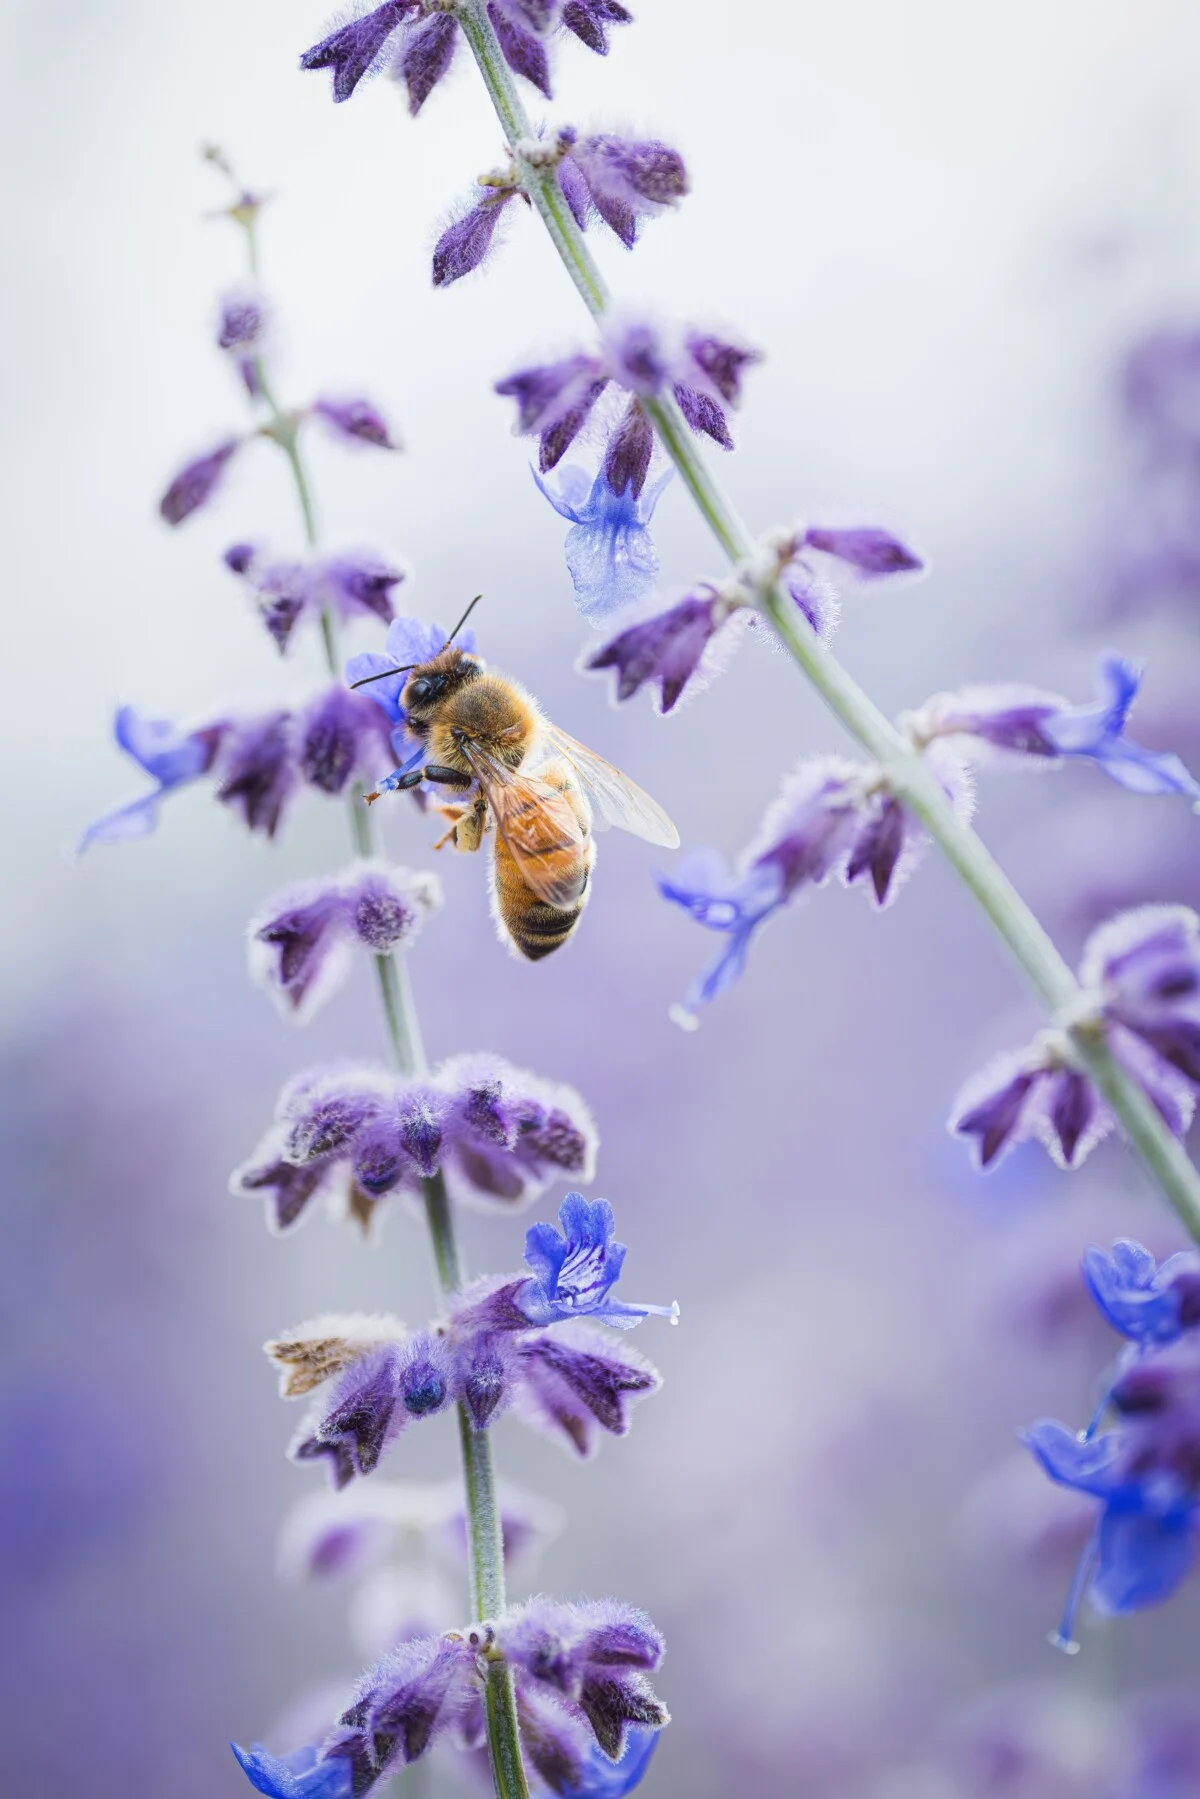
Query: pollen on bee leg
{"type": "Point", "coordinates": [370, 798]}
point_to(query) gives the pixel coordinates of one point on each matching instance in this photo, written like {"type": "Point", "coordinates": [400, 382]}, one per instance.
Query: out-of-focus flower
{"type": "Point", "coordinates": [833, 817]}
{"type": "Point", "coordinates": [610, 553]}
{"type": "Point", "coordinates": [1026, 722]}
{"type": "Point", "coordinates": [597, 1655]}
{"type": "Point", "coordinates": [197, 482]}
{"type": "Point", "coordinates": [241, 328]}
{"type": "Point", "coordinates": [351, 583]}
{"type": "Point", "coordinates": [299, 940]}
{"type": "Point", "coordinates": [355, 421]}
{"type": "Point", "coordinates": [297, 1776]}
{"type": "Point", "coordinates": [1141, 978]}
{"type": "Point", "coordinates": [498, 1133]}
{"type": "Point", "coordinates": [1146, 1302]}
{"type": "Point", "coordinates": [172, 758]}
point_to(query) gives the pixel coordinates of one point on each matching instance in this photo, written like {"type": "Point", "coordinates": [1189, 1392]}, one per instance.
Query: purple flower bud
{"type": "Point", "coordinates": [424, 1375]}
{"type": "Point", "coordinates": [296, 947]}
{"type": "Point", "coordinates": [283, 592]}
{"type": "Point", "coordinates": [629, 179]}
{"type": "Point", "coordinates": [339, 1537]}
{"type": "Point", "coordinates": [627, 459]}
{"type": "Point", "coordinates": [641, 359]}
{"type": "Point", "coordinates": [197, 482]}
{"type": "Point", "coordinates": [524, 52]}
{"type": "Point", "coordinates": [878, 849]}
{"type": "Point", "coordinates": [426, 53]}
{"type": "Point", "coordinates": [258, 774]}
{"type": "Point", "coordinates": [549, 393]}
{"type": "Point", "coordinates": [418, 1692]}
{"type": "Point", "coordinates": [721, 364]}
{"type": "Point", "coordinates": [356, 48]}
{"type": "Point", "coordinates": [869, 550]}
{"type": "Point", "coordinates": [597, 1655]}
{"type": "Point", "coordinates": [350, 1428]}
{"type": "Point", "coordinates": [356, 421]}
{"type": "Point", "coordinates": [465, 243]}
{"type": "Point", "coordinates": [703, 414]}
{"type": "Point", "coordinates": [386, 907]}
{"type": "Point", "coordinates": [239, 557]}
{"type": "Point", "coordinates": [286, 1188]}
{"type": "Point", "coordinates": [575, 1381]}
{"type": "Point", "coordinates": [242, 321]}
{"type": "Point", "coordinates": [485, 1376]}
{"type": "Point", "coordinates": [324, 1112]}
{"type": "Point", "coordinates": [340, 735]}
{"type": "Point", "coordinates": [576, 191]}
{"type": "Point", "coordinates": [360, 583]}
{"type": "Point", "coordinates": [667, 650]}
{"type": "Point", "coordinates": [588, 19]}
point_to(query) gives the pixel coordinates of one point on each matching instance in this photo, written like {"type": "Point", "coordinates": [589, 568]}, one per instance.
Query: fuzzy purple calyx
{"type": "Point", "coordinates": [197, 482]}
{"type": "Point", "coordinates": [356, 48]}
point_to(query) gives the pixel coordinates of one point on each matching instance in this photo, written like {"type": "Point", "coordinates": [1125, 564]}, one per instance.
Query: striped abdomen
{"type": "Point", "coordinates": [554, 844]}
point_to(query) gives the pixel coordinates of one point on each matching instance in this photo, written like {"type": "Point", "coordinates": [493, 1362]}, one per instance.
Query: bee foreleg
{"type": "Point", "coordinates": [447, 777]}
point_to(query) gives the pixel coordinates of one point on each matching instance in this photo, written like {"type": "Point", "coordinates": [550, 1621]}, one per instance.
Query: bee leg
{"type": "Point", "coordinates": [447, 777]}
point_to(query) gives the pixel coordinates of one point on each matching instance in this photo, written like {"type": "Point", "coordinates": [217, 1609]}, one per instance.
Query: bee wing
{"type": "Point", "coordinates": [618, 800]}
{"type": "Point", "coordinates": [538, 825]}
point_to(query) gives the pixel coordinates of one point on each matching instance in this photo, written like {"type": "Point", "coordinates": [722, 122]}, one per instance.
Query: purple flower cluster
{"type": "Point", "coordinates": [258, 762]}
{"type": "Point", "coordinates": [300, 941]}
{"type": "Point", "coordinates": [833, 818]}
{"type": "Point", "coordinates": [352, 421]}
{"type": "Point", "coordinates": [499, 1134]}
{"type": "Point", "coordinates": [529, 1343]}
{"type": "Point", "coordinates": [1141, 978]}
{"type": "Point", "coordinates": [682, 648]}
{"type": "Point", "coordinates": [346, 584]}
{"type": "Point", "coordinates": [610, 555]}
{"type": "Point", "coordinates": [417, 46]}
{"type": "Point", "coordinates": [588, 1714]}
{"type": "Point", "coordinates": [618, 180]}
{"type": "Point", "coordinates": [1143, 1468]}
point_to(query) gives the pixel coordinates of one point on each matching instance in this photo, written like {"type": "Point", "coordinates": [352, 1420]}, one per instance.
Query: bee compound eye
{"type": "Point", "coordinates": [421, 688]}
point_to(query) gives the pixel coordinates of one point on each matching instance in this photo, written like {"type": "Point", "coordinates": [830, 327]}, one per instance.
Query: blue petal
{"type": "Point", "coordinates": [603, 1779]}
{"type": "Point", "coordinates": [413, 640]}
{"type": "Point", "coordinates": [1089, 1464]}
{"type": "Point", "coordinates": [138, 819]}
{"type": "Point", "coordinates": [386, 691]}
{"type": "Point", "coordinates": [1142, 1558]}
{"type": "Point", "coordinates": [545, 1253]}
{"type": "Point", "coordinates": [1096, 733]}
{"type": "Point", "coordinates": [1130, 1293]}
{"type": "Point", "coordinates": [297, 1776]}
{"type": "Point", "coordinates": [170, 755]}
{"type": "Point", "coordinates": [570, 498]}
{"type": "Point", "coordinates": [612, 563]}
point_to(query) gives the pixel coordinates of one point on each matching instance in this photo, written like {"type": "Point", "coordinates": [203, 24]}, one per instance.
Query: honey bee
{"type": "Point", "coordinates": [523, 784]}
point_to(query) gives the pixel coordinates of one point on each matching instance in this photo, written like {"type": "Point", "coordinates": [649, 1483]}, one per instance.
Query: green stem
{"type": "Point", "coordinates": [1160, 1153]}
{"type": "Point", "coordinates": [484, 1538]}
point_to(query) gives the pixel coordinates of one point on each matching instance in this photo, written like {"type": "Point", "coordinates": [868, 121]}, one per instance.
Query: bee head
{"type": "Point", "coordinates": [433, 682]}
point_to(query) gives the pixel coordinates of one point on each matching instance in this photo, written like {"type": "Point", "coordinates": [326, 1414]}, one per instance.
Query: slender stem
{"type": "Point", "coordinates": [909, 777]}
{"type": "Point", "coordinates": [484, 1536]}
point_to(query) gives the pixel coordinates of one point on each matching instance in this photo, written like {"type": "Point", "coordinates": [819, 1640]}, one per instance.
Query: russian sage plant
{"type": "Point", "coordinates": [560, 1693]}
{"type": "Point", "coordinates": [1122, 1048]}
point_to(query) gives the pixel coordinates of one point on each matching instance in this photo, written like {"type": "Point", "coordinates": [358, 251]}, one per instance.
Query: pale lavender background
{"type": "Point", "coordinates": [945, 225]}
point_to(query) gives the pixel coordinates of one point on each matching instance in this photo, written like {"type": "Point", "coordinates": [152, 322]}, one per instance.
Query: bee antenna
{"type": "Point", "coordinates": [383, 674]}
{"type": "Point", "coordinates": [462, 621]}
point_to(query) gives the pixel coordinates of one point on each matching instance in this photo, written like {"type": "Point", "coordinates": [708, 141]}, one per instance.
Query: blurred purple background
{"type": "Point", "coordinates": [950, 231]}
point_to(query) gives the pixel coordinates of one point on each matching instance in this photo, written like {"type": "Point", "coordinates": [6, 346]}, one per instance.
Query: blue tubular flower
{"type": "Point", "coordinates": [1096, 733]}
{"type": "Point", "coordinates": [733, 904]}
{"type": "Point", "coordinates": [603, 1779]}
{"type": "Point", "coordinates": [296, 1776]}
{"type": "Point", "coordinates": [1143, 1545]}
{"type": "Point", "coordinates": [1029, 722]}
{"type": "Point", "coordinates": [169, 756]}
{"type": "Point", "coordinates": [1146, 1303]}
{"type": "Point", "coordinates": [575, 1269]}
{"type": "Point", "coordinates": [610, 553]}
